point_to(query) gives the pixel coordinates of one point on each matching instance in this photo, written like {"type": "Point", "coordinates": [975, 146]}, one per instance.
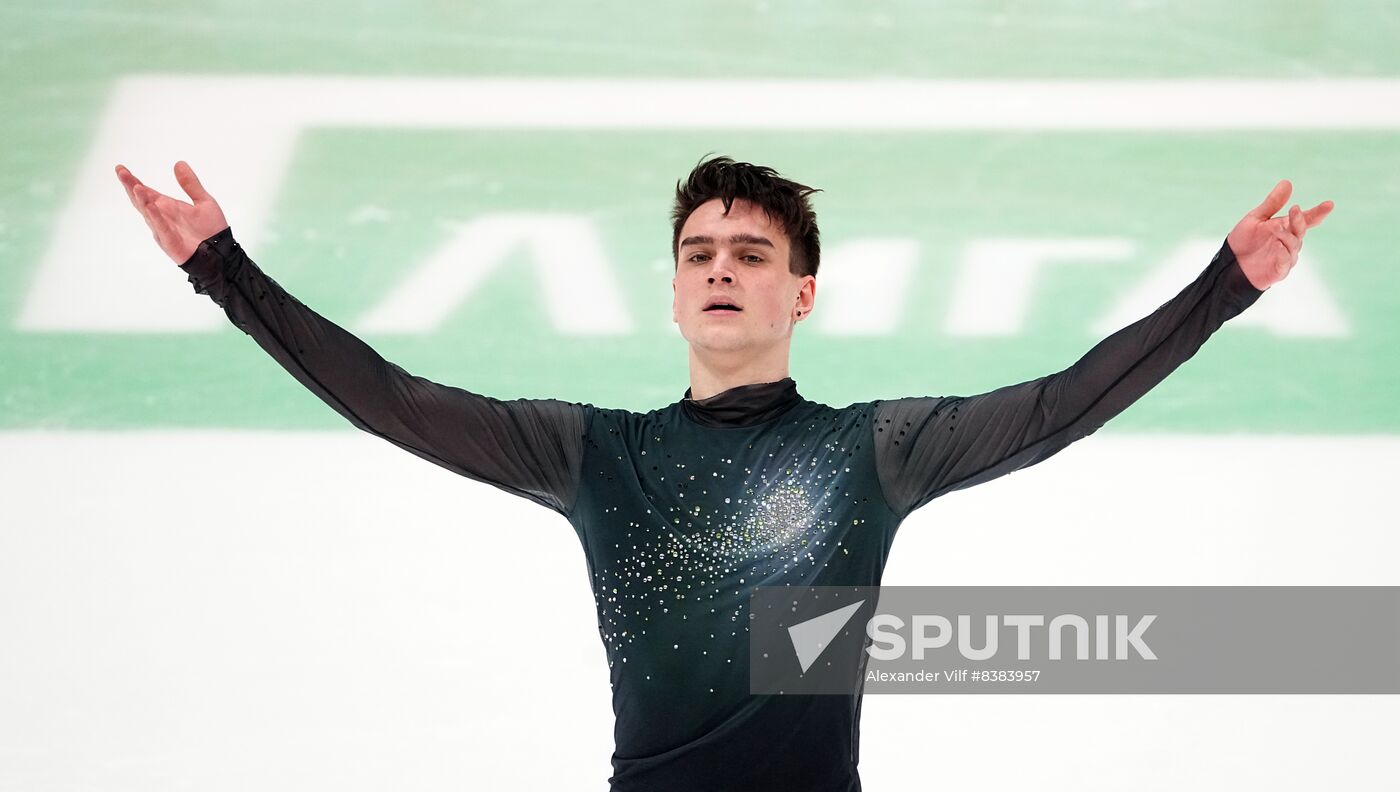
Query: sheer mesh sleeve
{"type": "Point", "coordinates": [927, 446]}
{"type": "Point", "coordinates": [528, 447]}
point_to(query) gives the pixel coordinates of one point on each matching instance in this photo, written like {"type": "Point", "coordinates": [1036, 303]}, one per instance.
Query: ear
{"type": "Point", "coordinates": [806, 296]}
{"type": "Point", "coordinates": [675, 314]}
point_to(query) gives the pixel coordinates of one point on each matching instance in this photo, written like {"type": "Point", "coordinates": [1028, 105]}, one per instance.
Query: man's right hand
{"type": "Point", "coordinates": [177, 227]}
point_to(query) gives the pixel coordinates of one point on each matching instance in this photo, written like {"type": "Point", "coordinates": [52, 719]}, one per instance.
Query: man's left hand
{"type": "Point", "coordinates": [1267, 246]}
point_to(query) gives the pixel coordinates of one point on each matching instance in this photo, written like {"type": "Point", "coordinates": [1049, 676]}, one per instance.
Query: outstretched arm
{"type": "Point", "coordinates": [528, 447]}
{"type": "Point", "coordinates": [927, 446]}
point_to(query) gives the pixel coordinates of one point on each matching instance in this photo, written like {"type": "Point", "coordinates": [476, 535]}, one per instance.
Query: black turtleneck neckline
{"type": "Point", "coordinates": [742, 405]}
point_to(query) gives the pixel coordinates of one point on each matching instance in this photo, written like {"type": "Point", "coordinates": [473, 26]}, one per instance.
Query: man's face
{"type": "Point", "coordinates": [740, 259]}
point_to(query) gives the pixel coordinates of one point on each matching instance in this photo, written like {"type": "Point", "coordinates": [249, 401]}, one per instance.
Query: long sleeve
{"type": "Point", "coordinates": [928, 446]}
{"type": "Point", "coordinates": [528, 447]}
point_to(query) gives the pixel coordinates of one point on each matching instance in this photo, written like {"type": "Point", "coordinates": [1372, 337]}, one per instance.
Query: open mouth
{"type": "Point", "coordinates": [724, 307]}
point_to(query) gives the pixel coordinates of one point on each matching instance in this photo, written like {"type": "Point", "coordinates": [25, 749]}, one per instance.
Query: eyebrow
{"type": "Point", "coordinates": [737, 239]}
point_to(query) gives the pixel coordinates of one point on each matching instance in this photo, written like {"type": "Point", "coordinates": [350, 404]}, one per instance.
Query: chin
{"type": "Point", "coordinates": [719, 339]}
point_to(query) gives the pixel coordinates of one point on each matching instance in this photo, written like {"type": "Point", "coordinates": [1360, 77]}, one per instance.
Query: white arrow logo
{"type": "Point", "coordinates": [811, 637]}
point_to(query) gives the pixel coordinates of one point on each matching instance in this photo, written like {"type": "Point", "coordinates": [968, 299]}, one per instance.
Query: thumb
{"type": "Point", "coordinates": [1277, 198]}
{"type": "Point", "coordinates": [189, 182]}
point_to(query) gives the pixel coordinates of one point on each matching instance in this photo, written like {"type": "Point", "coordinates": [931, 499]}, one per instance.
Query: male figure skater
{"type": "Point", "coordinates": [683, 510]}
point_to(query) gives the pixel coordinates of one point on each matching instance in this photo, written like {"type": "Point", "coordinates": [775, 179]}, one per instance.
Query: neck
{"type": "Point", "coordinates": [712, 373]}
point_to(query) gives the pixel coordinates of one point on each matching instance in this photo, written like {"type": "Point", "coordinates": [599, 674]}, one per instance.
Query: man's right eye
{"type": "Point", "coordinates": [697, 257]}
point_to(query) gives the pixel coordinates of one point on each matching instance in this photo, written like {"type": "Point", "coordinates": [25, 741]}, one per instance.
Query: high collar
{"type": "Point", "coordinates": [742, 405]}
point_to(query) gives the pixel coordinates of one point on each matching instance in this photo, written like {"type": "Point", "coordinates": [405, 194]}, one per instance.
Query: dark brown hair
{"type": "Point", "coordinates": [786, 203]}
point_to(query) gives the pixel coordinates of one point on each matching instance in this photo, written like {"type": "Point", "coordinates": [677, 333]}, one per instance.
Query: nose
{"type": "Point", "coordinates": [720, 269]}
